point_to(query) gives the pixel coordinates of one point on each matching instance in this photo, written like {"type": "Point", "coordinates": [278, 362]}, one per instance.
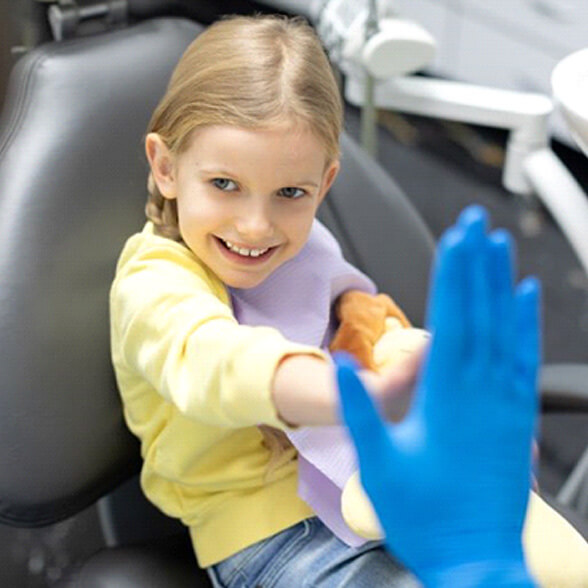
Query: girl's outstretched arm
{"type": "Point", "coordinates": [305, 391]}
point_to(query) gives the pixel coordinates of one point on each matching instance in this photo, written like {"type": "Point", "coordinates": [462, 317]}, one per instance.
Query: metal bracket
{"type": "Point", "coordinates": [66, 16]}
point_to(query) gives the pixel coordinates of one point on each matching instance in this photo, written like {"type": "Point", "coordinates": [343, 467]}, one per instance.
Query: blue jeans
{"type": "Point", "coordinates": [308, 555]}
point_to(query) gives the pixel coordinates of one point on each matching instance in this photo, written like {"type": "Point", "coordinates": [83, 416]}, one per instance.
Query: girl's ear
{"type": "Point", "coordinates": [161, 161]}
{"type": "Point", "coordinates": [328, 178]}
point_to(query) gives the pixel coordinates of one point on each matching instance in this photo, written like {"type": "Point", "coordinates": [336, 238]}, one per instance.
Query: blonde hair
{"type": "Point", "coordinates": [250, 72]}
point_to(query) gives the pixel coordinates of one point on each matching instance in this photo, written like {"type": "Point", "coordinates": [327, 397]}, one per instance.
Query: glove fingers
{"type": "Point", "coordinates": [446, 302]}
{"type": "Point", "coordinates": [528, 326]}
{"type": "Point", "coordinates": [477, 312]}
{"type": "Point", "coordinates": [460, 303]}
{"type": "Point", "coordinates": [501, 273]}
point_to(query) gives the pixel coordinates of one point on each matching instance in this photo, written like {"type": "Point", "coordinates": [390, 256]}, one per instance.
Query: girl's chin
{"type": "Point", "coordinates": [243, 282]}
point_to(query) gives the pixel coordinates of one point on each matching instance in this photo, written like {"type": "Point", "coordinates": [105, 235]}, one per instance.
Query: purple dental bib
{"type": "Point", "coordinates": [297, 300]}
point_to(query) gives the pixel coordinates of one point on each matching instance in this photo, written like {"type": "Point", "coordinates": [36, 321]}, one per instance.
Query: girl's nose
{"type": "Point", "coordinates": [254, 224]}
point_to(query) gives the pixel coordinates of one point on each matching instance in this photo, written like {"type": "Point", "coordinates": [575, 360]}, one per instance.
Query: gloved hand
{"type": "Point", "coordinates": [450, 483]}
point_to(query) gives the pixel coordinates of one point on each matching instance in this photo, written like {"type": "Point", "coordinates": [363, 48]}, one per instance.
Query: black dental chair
{"type": "Point", "coordinates": [72, 189]}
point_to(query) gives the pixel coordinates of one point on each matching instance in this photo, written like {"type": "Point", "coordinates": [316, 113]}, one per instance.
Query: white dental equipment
{"type": "Point", "coordinates": [379, 51]}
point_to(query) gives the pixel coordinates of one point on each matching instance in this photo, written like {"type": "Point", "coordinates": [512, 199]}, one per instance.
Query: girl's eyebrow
{"type": "Point", "coordinates": [216, 172]}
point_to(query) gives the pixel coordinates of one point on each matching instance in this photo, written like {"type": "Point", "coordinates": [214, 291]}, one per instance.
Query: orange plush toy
{"type": "Point", "coordinates": [374, 330]}
{"type": "Point", "coordinates": [362, 321]}
{"type": "Point", "coordinates": [377, 333]}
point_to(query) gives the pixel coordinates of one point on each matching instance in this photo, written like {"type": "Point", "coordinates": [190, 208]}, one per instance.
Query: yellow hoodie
{"type": "Point", "coordinates": [196, 386]}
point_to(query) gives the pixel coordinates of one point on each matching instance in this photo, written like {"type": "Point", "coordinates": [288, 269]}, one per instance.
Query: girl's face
{"type": "Point", "coordinates": [246, 198]}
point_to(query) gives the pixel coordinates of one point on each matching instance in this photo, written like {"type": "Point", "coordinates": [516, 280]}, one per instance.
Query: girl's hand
{"type": "Point", "coordinates": [393, 388]}
{"type": "Point", "coordinates": [450, 483]}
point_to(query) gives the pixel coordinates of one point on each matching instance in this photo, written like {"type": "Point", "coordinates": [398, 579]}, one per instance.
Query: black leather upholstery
{"type": "Point", "coordinates": [72, 188]}
{"type": "Point", "coordinates": [163, 564]}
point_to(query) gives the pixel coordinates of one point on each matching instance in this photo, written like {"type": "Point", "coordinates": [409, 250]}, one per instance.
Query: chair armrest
{"type": "Point", "coordinates": [564, 387]}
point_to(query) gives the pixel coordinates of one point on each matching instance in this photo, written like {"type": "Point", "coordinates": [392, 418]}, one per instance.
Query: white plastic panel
{"type": "Point", "coordinates": [490, 56]}
{"type": "Point", "coordinates": [557, 27]}
{"type": "Point", "coordinates": [493, 58]}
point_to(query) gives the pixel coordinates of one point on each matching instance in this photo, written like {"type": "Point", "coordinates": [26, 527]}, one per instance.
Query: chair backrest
{"type": "Point", "coordinates": [379, 229]}
{"type": "Point", "coordinates": [72, 189]}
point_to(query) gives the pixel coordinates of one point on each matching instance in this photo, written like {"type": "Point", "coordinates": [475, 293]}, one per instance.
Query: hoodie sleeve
{"type": "Point", "coordinates": [173, 329]}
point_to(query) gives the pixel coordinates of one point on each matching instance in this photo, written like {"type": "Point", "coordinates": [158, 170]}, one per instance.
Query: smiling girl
{"type": "Point", "coordinates": [242, 148]}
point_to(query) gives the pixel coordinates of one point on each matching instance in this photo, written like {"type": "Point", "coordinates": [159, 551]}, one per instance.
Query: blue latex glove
{"type": "Point", "coordinates": [450, 483]}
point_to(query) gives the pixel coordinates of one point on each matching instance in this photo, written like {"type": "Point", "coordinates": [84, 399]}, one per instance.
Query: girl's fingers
{"type": "Point", "coordinates": [365, 424]}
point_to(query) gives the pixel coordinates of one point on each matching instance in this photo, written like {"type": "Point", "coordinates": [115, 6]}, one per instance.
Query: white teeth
{"type": "Point", "coordinates": [245, 252]}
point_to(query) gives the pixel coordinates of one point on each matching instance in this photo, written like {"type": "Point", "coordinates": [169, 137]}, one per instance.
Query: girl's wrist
{"type": "Point", "coordinates": [304, 392]}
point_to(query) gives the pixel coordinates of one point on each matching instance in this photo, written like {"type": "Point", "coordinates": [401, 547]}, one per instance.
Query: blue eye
{"type": "Point", "coordinates": [293, 193]}
{"type": "Point", "coordinates": [224, 184]}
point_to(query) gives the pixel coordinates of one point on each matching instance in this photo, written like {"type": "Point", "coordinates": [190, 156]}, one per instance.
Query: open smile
{"type": "Point", "coordinates": [244, 254]}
